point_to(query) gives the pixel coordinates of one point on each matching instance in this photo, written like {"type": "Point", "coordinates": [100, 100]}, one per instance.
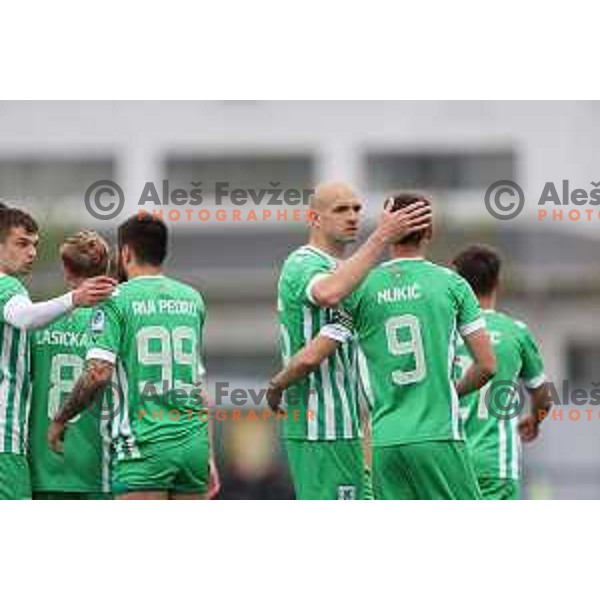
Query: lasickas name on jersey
{"type": "Point", "coordinates": [63, 338]}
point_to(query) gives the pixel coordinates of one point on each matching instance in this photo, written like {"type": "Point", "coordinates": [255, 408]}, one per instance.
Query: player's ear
{"type": "Point", "coordinates": [497, 286]}
{"type": "Point", "coordinates": [125, 254]}
{"type": "Point", "coordinates": [67, 274]}
{"type": "Point", "coordinates": [428, 233]}
{"type": "Point", "coordinates": [313, 216]}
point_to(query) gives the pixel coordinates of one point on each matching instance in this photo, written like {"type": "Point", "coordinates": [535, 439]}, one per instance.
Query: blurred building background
{"type": "Point", "coordinates": [50, 152]}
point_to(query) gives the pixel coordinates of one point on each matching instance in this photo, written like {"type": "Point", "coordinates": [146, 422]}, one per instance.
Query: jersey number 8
{"type": "Point", "coordinates": [61, 385]}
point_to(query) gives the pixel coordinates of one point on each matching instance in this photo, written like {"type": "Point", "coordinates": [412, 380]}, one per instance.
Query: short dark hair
{"type": "Point", "coordinates": [402, 200]}
{"type": "Point", "coordinates": [147, 237]}
{"type": "Point", "coordinates": [13, 217]}
{"type": "Point", "coordinates": [480, 266]}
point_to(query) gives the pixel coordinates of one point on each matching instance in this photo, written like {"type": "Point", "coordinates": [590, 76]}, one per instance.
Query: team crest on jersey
{"type": "Point", "coordinates": [346, 492]}
{"type": "Point", "coordinates": [98, 321]}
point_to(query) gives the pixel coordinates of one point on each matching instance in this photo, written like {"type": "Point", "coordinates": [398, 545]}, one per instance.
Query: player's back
{"type": "Point", "coordinates": [406, 315]}
{"type": "Point", "coordinates": [158, 321]}
{"type": "Point", "coordinates": [58, 359]}
{"type": "Point", "coordinates": [493, 438]}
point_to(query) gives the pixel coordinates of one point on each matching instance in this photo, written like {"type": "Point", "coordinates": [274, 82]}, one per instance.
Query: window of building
{"type": "Point", "coordinates": [42, 178]}
{"type": "Point", "coordinates": [583, 362]}
{"type": "Point", "coordinates": [247, 172]}
{"type": "Point", "coordinates": [438, 170]}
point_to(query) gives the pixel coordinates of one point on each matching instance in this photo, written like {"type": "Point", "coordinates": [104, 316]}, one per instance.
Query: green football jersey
{"type": "Point", "coordinates": [15, 381]}
{"type": "Point", "coordinates": [57, 360]}
{"type": "Point", "coordinates": [323, 405]}
{"type": "Point", "coordinates": [151, 328]}
{"type": "Point", "coordinates": [406, 316]}
{"type": "Point", "coordinates": [494, 442]}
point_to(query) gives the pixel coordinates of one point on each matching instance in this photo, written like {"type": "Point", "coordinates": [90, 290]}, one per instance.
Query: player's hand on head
{"type": "Point", "coordinates": [94, 290]}
{"type": "Point", "coordinates": [407, 220]}
{"type": "Point", "coordinates": [56, 436]}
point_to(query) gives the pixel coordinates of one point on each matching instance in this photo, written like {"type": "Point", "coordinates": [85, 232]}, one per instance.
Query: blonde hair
{"type": "Point", "coordinates": [85, 254]}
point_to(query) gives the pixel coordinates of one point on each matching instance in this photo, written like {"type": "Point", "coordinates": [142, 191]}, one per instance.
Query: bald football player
{"type": "Point", "coordinates": [322, 425]}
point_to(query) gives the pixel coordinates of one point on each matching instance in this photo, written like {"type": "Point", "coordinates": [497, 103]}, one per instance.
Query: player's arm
{"type": "Point", "coordinates": [214, 481]}
{"type": "Point", "coordinates": [337, 331]}
{"type": "Point", "coordinates": [534, 379]}
{"type": "Point", "coordinates": [96, 377]}
{"type": "Point", "coordinates": [22, 313]}
{"type": "Point", "coordinates": [484, 362]}
{"type": "Point", "coordinates": [301, 364]}
{"type": "Point", "coordinates": [541, 403]}
{"type": "Point", "coordinates": [308, 360]}
{"type": "Point", "coordinates": [107, 329]}
{"type": "Point", "coordinates": [329, 290]}
{"type": "Point", "coordinates": [471, 327]}
{"type": "Point", "coordinates": [365, 423]}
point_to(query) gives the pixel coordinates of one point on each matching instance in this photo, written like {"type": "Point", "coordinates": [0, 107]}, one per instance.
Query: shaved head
{"type": "Point", "coordinates": [328, 193]}
{"type": "Point", "coordinates": [336, 211]}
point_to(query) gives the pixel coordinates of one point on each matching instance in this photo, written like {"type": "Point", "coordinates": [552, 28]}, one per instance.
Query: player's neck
{"type": "Point", "coordinates": [487, 302]}
{"type": "Point", "coordinates": [134, 271]}
{"type": "Point", "coordinates": [11, 273]}
{"type": "Point", "coordinates": [74, 283]}
{"type": "Point", "coordinates": [400, 251]}
{"type": "Point", "coordinates": [336, 249]}
{"type": "Point", "coordinates": [5, 270]}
